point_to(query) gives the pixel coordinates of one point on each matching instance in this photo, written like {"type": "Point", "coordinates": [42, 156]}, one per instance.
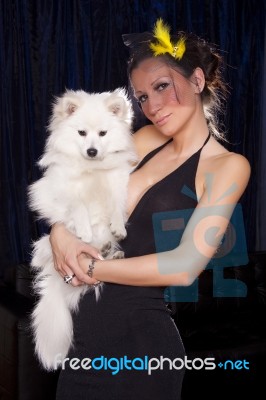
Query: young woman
{"type": "Point", "coordinates": [178, 85]}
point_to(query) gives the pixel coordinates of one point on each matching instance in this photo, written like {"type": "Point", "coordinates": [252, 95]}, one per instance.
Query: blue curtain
{"type": "Point", "coordinates": [47, 46]}
{"type": "Point", "coordinates": [261, 178]}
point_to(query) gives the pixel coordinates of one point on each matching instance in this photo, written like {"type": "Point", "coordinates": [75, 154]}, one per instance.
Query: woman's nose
{"type": "Point", "coordinates": [154, 104]}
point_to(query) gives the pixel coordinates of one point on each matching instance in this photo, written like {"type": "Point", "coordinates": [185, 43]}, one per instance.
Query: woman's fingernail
{"type": "Point", "coordinates": [100, 257]}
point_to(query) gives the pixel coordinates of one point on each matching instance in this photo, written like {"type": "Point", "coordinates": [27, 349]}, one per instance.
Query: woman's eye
{"type": "Point", "coordinates": [161, 86]}
{"type": "Point", "coordinates": [82, 133]}
{"type": "Point", "coordinates": [142, 99]}
{"type": "Point", "coordinates": [102, 133]}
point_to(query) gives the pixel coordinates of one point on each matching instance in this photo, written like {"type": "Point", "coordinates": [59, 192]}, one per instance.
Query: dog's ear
{"type": "Point", "coordinates": [119, 104]}
{"type": "Point", "coordinates": [65, 106]}
{"type": "Point", "coordinates": [71, 108]}
{"type": "Point", "coordinates": [116, 105]}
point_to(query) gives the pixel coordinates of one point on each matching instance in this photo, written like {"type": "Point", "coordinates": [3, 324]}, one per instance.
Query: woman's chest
{"type": "Point", "coordinates": [165, 180]}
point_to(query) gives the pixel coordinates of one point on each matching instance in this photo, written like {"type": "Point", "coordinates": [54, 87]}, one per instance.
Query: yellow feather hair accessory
{"type": "Point", "coordinates": [164, 45]}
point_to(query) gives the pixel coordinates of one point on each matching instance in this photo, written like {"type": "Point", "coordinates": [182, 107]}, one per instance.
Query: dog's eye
{"type": "Point", "coordinates": [102, 133]}
{"type": "Point", "coordinates": [82, 133]}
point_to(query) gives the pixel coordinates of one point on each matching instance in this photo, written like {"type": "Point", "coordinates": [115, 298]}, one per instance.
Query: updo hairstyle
{"type": "Point", "coordinates": [198, 54]}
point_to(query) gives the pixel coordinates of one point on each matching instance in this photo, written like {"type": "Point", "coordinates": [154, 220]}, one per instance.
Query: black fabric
{"type": "Point", "coordinates": [128, 320]}
{"type": "Point", "coordinates": [49, 45]}
{"type": "Point", "coordinates": [225, 328]}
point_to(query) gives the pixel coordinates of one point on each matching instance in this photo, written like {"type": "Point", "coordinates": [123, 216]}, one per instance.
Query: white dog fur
{"type": "Point", "coordinates": [87, 161]}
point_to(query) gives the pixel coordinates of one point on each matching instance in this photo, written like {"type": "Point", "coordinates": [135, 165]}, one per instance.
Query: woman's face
{"type": "Point", "coordinates": [167, 99]}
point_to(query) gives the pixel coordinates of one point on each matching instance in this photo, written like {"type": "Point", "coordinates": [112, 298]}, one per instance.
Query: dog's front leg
{"type": "Point", "coordinates": [118, 201]}
{"type": "Point", "coordinates": [81, 223]}
{"type": "Point", "coordinates": [117, 225]}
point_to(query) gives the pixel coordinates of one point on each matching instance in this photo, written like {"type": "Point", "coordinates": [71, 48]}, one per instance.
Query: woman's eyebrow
{"type": "Point", "coordinates": [152, 83]}
{"type": "Point", "coordinates": [138, 91]}
{"type": "Point", "coordinates": [160, 77]}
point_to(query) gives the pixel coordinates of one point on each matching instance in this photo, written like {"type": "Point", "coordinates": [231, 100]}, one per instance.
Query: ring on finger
{"type": "Point", "coordinates": [68, 278]}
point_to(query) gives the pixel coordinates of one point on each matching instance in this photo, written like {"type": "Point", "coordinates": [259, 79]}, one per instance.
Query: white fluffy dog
{"type": "Point", "coordinates": [87, 161]}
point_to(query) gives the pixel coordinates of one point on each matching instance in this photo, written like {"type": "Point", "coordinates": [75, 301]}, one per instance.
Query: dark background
{"type": "Point", "coordinates": [47, 46]}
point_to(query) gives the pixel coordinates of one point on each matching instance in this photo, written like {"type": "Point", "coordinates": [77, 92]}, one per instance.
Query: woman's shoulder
{"type": "Point", "coordinates": [216, 154]}
{"type": "Point", "coordinates": [235, 164]}
{"type": "Point", "coordinates": [222, 173]}
{"type": "Point", "coordinates": [224, 157]}
{"type": "Point", "coordinates": [227, 164]}
{"type": "Point", "coordinates": [147, 139]}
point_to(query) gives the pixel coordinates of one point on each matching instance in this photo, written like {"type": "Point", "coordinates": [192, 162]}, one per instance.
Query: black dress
{"type": "Point", "coordinates": [129, 321]}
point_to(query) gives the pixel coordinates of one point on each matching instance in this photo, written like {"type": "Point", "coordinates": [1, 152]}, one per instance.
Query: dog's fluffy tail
{"type": "Point", "coordinates": [51, 318]}
{"type": "Point", "coordinates": [52, 324]}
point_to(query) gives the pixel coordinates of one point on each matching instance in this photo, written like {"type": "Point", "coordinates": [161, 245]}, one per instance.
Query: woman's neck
{"type": "Point", "coordinates": [191, 138]}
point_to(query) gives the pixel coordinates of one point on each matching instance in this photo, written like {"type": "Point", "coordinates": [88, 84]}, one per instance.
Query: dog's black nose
{"type": "Point", "coordinates": [91, 152]}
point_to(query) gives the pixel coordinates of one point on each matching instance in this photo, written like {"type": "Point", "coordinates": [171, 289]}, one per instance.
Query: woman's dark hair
{"type": "Point", "coordinates": [198, 53]}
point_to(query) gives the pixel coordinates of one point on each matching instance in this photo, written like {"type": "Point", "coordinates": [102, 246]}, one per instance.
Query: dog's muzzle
{"type": "Point", "coordinates": [68, 278]}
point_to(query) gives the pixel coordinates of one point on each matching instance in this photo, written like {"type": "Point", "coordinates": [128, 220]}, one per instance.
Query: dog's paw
{"type": "Point", "coordinates": [85, 236]}
{"type": "Point", "coordinates": [119, 232]}
{"type": "Point", "coordinates": [119, 254]}
{"type": "Point", "coordinates": [106, 248]}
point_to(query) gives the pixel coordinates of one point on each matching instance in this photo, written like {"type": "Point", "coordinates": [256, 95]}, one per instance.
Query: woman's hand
{"type": "Point", "coordinates": [67, 250]}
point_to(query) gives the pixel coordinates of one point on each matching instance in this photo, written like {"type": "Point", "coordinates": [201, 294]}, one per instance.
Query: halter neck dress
{"type": "Point", "coordinates": [130, 325]}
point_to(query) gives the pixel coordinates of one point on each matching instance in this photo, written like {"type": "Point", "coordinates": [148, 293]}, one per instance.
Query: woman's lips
{"type": "Point", "coordinates": [162, 120]}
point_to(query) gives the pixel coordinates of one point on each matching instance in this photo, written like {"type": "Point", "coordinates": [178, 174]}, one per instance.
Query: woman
{"type": "Point", "coordinates": [176, 80]}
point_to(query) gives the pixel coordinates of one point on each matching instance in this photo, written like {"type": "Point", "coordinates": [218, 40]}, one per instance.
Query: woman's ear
{"type": "Point", "coordinates": [199, 80]}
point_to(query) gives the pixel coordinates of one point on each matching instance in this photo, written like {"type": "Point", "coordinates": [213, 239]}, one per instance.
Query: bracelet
{"type": "Point", "coordinates": [90, 272]}
{"type": "Point", "coordinates": [91, 267]}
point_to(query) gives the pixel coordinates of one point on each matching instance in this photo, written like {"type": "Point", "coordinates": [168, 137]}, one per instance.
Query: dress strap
{"type": "Point", "coordinates": [206, 141]}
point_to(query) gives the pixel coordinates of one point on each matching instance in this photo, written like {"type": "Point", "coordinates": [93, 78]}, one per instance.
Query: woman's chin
{"type": "Point", "coordinates": [166, 131]}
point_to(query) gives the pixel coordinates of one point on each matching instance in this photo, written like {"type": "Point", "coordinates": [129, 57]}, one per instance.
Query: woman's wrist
{"type": "Point", "coordinates": [90, 271]}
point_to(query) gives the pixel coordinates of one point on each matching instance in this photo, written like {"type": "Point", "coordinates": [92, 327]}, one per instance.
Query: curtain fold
{"type": "Point", "coordinates": [48, 46]}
